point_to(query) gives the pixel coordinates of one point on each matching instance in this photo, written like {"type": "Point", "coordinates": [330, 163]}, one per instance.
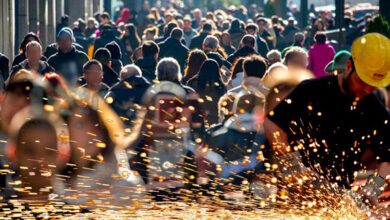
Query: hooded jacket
{"type": "Point", "coordinates": [148, 67]}
{"type": "Point", "coordinates": [174, 48]}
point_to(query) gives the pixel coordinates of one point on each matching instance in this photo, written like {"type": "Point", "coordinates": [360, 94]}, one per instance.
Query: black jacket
{"type": "Point", "coordinates": [125, 94]}
{"type": "Point", "coordinates": [21, 57]}
{"type": "Point", "coordinates": [110, 77]}
{"type": "Point", "coordinates": [148, 67]}
{"type": "Point", "coordinates": [174, 48]}
{"type": "Point", "coordinates": [69, 65]}
{"type": "Point", "coordinates": [262, 46]}
{"type": "Point", "coordinates": [52, 49]}
{"type": "Point", "coordinates": [106, 38]}
{"type": "Point", "coordinates": [44, 68]}
{"type": "Point", "coordinates": [243, 52]}
{"type": "Point", "coordinates": [197, 41]}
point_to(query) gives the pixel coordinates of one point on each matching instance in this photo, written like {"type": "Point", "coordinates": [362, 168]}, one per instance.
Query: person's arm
{"type": "Point", "coordinates": [276, 136]}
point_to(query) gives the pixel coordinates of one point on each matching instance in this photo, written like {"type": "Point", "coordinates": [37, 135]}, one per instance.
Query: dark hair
{"type": "Point", "coordinates": [251, 26]}
{"type": "Point", "coordinates": [169, 27]}
{"type": "Point", "coordinates": [25, 41]}
{"type": "Point", "coordinates": [254, 66]}
{"type": "Point", "coordinates": [105, 15]}
{"type": "Point", "coordinates": [320, 37]}
{"type": "Point", "coordinates": [115, 50]}
{"type": "Point", "coordinates": [177, 33]}
{"type": "Point", "coordinates": [237, 67]}
{"type": "Point", "coordinates": [89, 63]}
{"type": "Point", "coordinates": [209, 76]}
{"type": "Point", "coordinates": [248, 41]}
{"type": "Point", "coordinates": [133, 37]}
{"type": "Point", "coordinates": [261, 19]}
{"type": "Point", "coordinates": [195, 60]}
{"type": "Point", "coordinates": [103, 55]}
{"type": "Point", "coordinates": [207, 27]}
{"type": "Point", "coordinates": [149, 49]}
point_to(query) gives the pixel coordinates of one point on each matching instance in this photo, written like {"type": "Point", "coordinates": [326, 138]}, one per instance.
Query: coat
{"type": "Point", "coordinates": [174, 48]}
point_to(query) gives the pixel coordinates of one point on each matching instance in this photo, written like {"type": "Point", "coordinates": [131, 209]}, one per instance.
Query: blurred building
{"type": "Point", "coordinates": [18, 17]}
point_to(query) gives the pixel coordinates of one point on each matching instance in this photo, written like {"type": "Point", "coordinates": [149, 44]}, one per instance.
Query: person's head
{"type": "Point", "coordinates": [254, 66]}
{"type": "Point", "coordinates": [187, 23]}
{"type": "Point", "coordinates": [210, 43]}
{"type": "Point", "coordinates": [115, 50]}
{"type": "Point", "coordinates": [130, 71]}
{"type": "Point", "coordinates": [226, 40]}
{"type": "Point", "coordinates": [339, 63]}
{"type": "Point", "coordinates": [207, 27]}
{"type": "Point", "coordinates": [262, 24]}
{"type": "Point", "coordinates": [150, 49]}
{"type": "Point", "coordinates": [291, 21]}
{"type": "Point", "coordinates": [195, 60]}
{"type": "Point", "coordinates": [64, 20]}
{"type": "Point", "coordinates": [319, 25]}
{"type": "Point", "coordinates": [104, 18]}
{"type": "Point", "coordinates": [251, 29]}
{"type": "Point", "coordinates": [250, 101]}
{"type": "Point", "coordinates": [197, 13]}
{"type": "Point", "coordinates": [65, 39]}
{"type": "Point", "coordinates": [91, 23]}
{"type": "Point", "coordinates": [274, 56]}
{"type": "Point", "coordinates": [209, 76]}
{"type": "Point", "coordinates": [299, 38]}
{"type": "Point", "coordinates": [103, 55]}
{"type": "Point", "coordinates": [36, 148]}
{"type": "Point", "coordinates": [169, 27]}
{"type": "Point", "coordinates": [93, 73]}
{"type": "Point", "coordinates": [296, 57]}
{"type": "Point", "coordinates": [27, 39]}
{"type": "Point", "coordinates": [225, 106]}
{"type": "Point", "coordinates": [150, 33]}
{"type": "Point", "coordinates": [131, 31]}
{"type": "Point", "coordinates": [248, 41]}
{"type": "Point", "coordinates": [369, 67]}
{"type": "Point", "coordinates": [320, 38]}
{"type": "Point", "coordinates": [168, 69]}
{"type": "Point", "coordinates": [33, 52]}
{"type": "Point", "coordinates": [177, 33]}
{"type": "Point", "coordinates": [168, 17]}
{"type": "Point", "coordinates": [17, 96]}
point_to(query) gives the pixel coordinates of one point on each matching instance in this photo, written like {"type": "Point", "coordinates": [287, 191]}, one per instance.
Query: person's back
{"type": "Point", "coordinates": [173, 47]}
{"type": "Point", "coordinates": [320, 54]}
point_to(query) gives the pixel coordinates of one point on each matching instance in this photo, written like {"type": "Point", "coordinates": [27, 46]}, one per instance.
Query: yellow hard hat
{"type": "Point", "coordinates": [371, 56]}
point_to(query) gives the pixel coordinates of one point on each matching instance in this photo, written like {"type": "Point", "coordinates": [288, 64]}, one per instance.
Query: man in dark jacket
{"type": "Point", "coordinates": [173, 47]}
{"type": "Point", "coordinates": [263, 33]}
{"type": "Point", "coordinates": [128, 92]}
{"type": "Point", "coordinates": [290, 30]}
{"type": "Point", "coordinates": [33, 62]}
{"type": "Point", "coordinates": [262, 46]}
{"type": "Point", "coordinates": [197, 41]}
{"type": "Point", "coordinates": [4, 68]}
{"type": "Point", "coordinates": [247, 48]}
{"type": "Point", "coordinates": [210, 47]}
{"type": "Point", "coordinates": [108, 35]}
{"type": "Point", "coordinates": [68, 61]}
{"type": "Point", "coordinates": [110, 77]}
{"type": "Point", "coordinates": [148, 62]}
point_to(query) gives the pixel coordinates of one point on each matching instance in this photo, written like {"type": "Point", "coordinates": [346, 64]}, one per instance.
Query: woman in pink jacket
{"type": "Point", "coordinates": [320, 54]}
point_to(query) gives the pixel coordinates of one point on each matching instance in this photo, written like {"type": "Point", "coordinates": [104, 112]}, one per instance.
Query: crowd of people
{"type": "Point", "coordinates": [174, 100]}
